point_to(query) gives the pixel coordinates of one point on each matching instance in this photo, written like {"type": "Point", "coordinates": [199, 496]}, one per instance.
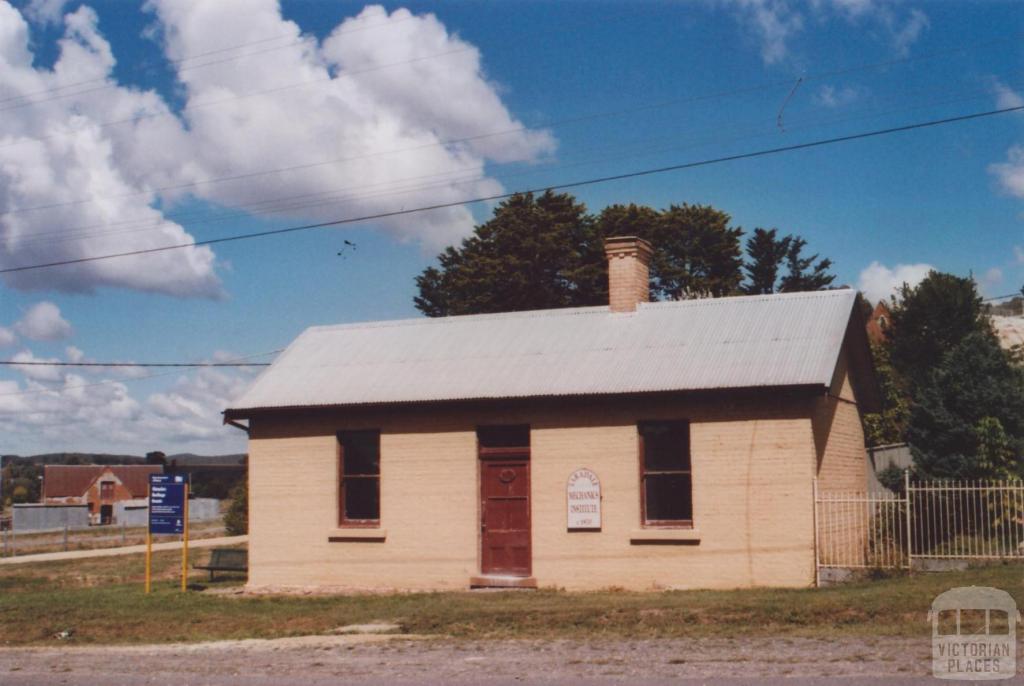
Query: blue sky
{"type": "Point", "coordinates": [120, 122]}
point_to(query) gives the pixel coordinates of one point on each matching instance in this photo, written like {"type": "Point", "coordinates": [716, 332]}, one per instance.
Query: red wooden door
{"type": "Point", "coordinates": [505, 516]}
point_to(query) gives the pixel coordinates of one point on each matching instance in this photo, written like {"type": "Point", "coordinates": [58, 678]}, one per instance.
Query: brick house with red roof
{"type": "Point", "coordinates": [98, 486]}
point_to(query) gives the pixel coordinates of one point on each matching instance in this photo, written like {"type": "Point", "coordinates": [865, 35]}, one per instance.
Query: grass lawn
{"type": "Point", "coordinates": [101, 600]}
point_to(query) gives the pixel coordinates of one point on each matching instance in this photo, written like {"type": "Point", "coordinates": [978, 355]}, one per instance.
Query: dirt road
{"type": "Point", "coordinates": [123, 550]}
{"type": "Point", "coordinates": [413, 660]}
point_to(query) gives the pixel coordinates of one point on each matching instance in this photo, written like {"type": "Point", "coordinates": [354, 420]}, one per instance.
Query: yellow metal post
{"type": "Point", "coordinates": [184, 547]}
{"type": "Point", "coordinates": [149, 542]}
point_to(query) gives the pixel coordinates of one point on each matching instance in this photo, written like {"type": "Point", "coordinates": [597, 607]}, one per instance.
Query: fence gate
{"type": "Point", "coordinates": [929, 520]}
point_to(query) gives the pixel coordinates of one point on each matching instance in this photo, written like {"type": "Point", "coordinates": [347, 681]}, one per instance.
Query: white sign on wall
{"type": "Point", "coordinates": [583, 495]}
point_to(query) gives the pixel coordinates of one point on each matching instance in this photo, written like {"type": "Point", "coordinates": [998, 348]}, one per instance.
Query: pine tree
{"type": "Point", "coordinates": [765, 253]}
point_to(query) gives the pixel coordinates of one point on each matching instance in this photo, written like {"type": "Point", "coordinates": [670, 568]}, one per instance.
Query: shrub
{"type": "Point", "coordinates": [236, 521]}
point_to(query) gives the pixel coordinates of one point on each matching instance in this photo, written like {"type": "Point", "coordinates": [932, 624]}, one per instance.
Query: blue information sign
{"type": "Point", "coordinates": [167, 503]}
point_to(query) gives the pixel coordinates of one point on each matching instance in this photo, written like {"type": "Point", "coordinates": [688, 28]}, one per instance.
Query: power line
{"type": "Point", "coordinates": [1003, 297]}
{"type": "Point", "coordinates": [502, 196]}
{"type": "Point", "coordinates": [444, 143]}
{"type": "Point", "coordinates": [107, 382]}
{"type": "Point", "coordinates": [453, 178]}
{"type": "Point", "coordinates": [188, 59]}
{"type": "Point", "coordinates": [38, 363]}
{"type": "Point", "coordinates": [191, 107]}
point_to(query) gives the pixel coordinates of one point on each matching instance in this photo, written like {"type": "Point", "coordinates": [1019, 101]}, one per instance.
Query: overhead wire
{"type": "Point", "coordinates": [41, 363]}
{"type": "Point", "coordinates": [558, 186]}
{"type": "Point", "coordinates": [107, 382]}
{"type": "Point", "coordinates": [182, 60]}
{"type": "Point", "coordinates": [453, 178]}
{"type": "Point", "coordinates": [445, 143]}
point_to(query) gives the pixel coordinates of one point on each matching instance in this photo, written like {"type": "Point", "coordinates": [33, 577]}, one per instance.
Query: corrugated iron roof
{"type": "Point", "coordinates": [739, 342]}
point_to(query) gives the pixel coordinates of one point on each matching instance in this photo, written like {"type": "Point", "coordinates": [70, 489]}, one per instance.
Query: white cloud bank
{"type": "Point", "coordinates": [878, 282]}
{"type": "Point", "coordinates": [43, 322]}
{"type": "Point", "coordinates": [1010, 174]}
{"type": "Point", "coordinates": [775, 23]}
{"type": "Point", "coordinates": [377, 107]}
{"type": "Point", "coordinates": [52, 408]}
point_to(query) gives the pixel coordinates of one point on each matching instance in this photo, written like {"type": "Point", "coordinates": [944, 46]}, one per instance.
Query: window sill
{"type": "Point", "coordinates": [362, 535]}
{"type": "Point", "coordinates": [655, 536]}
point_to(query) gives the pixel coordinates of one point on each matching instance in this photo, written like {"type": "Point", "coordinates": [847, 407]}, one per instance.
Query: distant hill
{"type": "Point", "coordinates": [183, 459]}
{"type": "Point", "coordinates": [193, 459]}
{"type": "Point", "coordinates": [78, 458]}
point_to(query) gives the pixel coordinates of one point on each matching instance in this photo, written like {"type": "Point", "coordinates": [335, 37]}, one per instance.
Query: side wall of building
{"type": "Point", "coordinates": [753, 460]}
{"type": "Point", "coordinates": [839, 436]}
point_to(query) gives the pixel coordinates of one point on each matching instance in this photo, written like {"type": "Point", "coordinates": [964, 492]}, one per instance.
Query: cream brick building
{"type": "Point", "coordinates": [438, 453]}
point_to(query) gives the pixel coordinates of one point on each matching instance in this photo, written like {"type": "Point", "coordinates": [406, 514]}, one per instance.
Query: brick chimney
{"type": "Point", "coordinates": [629, 258]}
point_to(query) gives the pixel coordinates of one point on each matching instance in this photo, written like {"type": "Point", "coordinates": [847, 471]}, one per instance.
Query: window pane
{"type": "Point", "coordinates": [517, 436]}
{"type": "Point", "coordinates": [972, 622]}
{"type": "Point", "coordinates": [361, 499]}
{"type": "Point", "coordinates": [360, 452]}
{"type": "Point", "coordinates": [666, 445]}
{"type": "Point", "coordinates": [668, 497]}
{"type": "Point", "coordinates": [998, 623]}
{"type": "Point", "coordinates": [947, 623]}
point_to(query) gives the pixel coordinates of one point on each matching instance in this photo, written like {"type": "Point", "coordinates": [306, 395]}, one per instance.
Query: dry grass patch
{"type": "Point", "coordinates": [100, 600]}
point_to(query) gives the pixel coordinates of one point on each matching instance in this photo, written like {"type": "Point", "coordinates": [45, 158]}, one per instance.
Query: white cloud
{"type": "Point", "coordinates": [878, 282]}
{"type": "Point", "coordinates": [904, 36]}
{"type": "Point", "coordinates": [1006, 97]}
{"type": "Point", "coordinates": [1018, 254]}
{"type": "Point", "coordinates": [1010, 174]}
{"type": "Point", "coordinates": [833, 97]}
{"type": "Point", "coordinates": [992, 278]}
{"type": "Point", "coordinates": [37, 373]}
{"type": "Point", "coordinates": [54, 154]}
{"type": "Point", "coordinates": [379, 101]}
{"type": "Point", "coordinates": [73, 354]}
{"type": "Point", "coordinates": [43, 322]}
{"type": "Point", "coordinates": [54, 410]}
{"type": "Point", "coordinates": [45, 11]}
{"type": "Point", "coordinates": [7, 337]}
{"type": "Point", "coordinates": [776, 23]}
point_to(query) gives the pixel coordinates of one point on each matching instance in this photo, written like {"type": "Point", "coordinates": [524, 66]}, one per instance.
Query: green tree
{"type": "Point", "coordinates": [697, 253]}
{"type": "Point", "coordinates": [547, 251]}
{"type": "Point", "coordinates": [929, 320]}
{"type": "Point", "coordinates": [968, 419]}
{"type": "Point", "coordinates": [765, 254]}
{"type": "Point", "coordinates": [156, 457]}
{"type": "Point", "coordinates": [804, 273]}
{"type": "Point", "coordinates": [236, 519]}
{"type": "Point", "coordinates": [889, 425]}
{"type": "Point", "coordinates": [534, 253]}
{"type": "Point", "coordinates": [20, 494]}
{"type": "Point", "coordinates": [20, 472]}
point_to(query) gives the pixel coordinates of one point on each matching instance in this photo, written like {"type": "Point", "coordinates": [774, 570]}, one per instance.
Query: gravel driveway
{"type": "Point", "coordinates": [402, 659]}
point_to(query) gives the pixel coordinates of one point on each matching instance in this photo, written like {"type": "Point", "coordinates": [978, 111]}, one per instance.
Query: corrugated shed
{"type": "Point", "coordinates": [751, 341]}
{"type": "Point", "coordinates": [63, 481]}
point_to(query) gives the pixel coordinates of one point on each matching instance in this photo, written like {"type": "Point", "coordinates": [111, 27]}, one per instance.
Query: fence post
{"type": "Point", "coordinates": [909, 510]}
{"type": "Point", "coordinates": [123, 535]}
{"type": "Point", "coordinates": [65, 537]}
{"type": "Point", "coordinates": [814, 520]}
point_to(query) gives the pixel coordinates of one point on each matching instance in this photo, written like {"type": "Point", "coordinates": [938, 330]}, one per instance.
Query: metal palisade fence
{"type": "Point", "coordinates": [928, 520]}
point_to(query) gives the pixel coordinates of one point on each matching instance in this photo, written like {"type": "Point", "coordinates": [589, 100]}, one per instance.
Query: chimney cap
{"type": "Point", "coordinates": [628, 244]}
